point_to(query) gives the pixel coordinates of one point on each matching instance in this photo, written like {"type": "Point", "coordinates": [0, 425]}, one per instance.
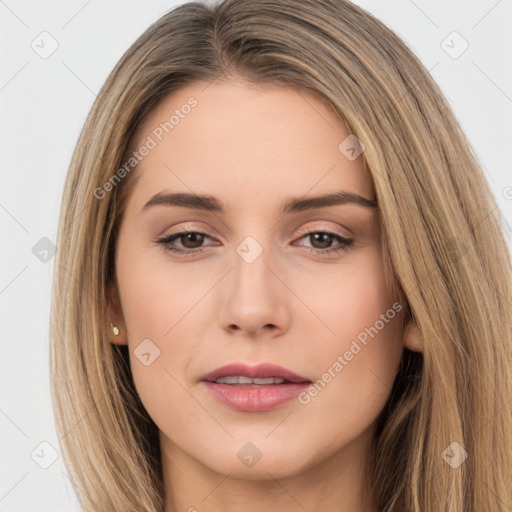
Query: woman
{"type": "Point", "coordinates": [285, 285]}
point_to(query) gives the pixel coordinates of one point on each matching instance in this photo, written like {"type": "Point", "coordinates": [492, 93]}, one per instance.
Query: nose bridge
{"type": "Point", "coordinates": [251, 261]}
{"type": "Point", "coordinates": [253, 295]}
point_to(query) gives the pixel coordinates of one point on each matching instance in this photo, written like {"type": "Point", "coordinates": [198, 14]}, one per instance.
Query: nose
{"type": "Point", "coordinates": [255, 298]}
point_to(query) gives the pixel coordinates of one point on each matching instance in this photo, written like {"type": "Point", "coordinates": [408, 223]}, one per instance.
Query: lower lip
{"type": "Point", "coordinates": [255, 399]}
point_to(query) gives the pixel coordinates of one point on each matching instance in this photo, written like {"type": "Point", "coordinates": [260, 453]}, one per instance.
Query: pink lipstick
{"type": "Point", "coordinates": [254, 388]}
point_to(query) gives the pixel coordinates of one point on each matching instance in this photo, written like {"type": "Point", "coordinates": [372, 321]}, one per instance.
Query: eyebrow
{"type": "Point", "coordinates": [212, 204]}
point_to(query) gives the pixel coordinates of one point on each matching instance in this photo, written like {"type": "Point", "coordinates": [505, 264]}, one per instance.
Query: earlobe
{"type": "Point", "coordinates": [413, 339]}
{"type": "Point", "coordinates": [117, 333]}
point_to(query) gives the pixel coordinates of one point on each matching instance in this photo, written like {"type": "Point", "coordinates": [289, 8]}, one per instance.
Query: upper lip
{"type": "Point", "coordinates": [262, 371]}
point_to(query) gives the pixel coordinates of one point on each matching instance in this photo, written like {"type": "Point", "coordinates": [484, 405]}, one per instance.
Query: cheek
{"type": "Point", "coordinates": [349, 298]}
{"type": "Point", "coordinates": [357, 358]}
{"type": "Point", "coordinates": [158, 297]}
{"type": "Point", "coordinates": [164, 313]}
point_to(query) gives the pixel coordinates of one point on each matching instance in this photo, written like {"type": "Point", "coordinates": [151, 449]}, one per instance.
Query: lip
{"type": "Point", "coordinates": [254, 399]}
{"type": "Point", "coordinates": [262, 371]}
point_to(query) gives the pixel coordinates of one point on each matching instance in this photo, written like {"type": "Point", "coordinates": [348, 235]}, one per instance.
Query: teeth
{"type": "Point", "coordinates": [246, 380]}
{"type": "Point", "coordinates": [270, 380]}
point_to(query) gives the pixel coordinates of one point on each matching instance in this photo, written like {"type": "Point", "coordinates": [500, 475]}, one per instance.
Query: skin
{"type": "Point", "coordinates": [253, 147]}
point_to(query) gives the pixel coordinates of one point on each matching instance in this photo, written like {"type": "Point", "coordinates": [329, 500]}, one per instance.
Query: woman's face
{"type": "Point", "coordinates": [257, 281]}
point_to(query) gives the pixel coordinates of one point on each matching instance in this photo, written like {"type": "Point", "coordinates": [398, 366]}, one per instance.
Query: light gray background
{"type": "Point", "coordinates": [43, 105]}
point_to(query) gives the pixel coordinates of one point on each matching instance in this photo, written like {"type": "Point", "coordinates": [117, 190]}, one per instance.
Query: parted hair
{"type": "Point", "coordinates": [444, 249]}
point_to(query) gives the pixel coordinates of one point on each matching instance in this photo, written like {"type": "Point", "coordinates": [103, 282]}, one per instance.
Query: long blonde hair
{"type": "Point", "coordinates": [445, 253]}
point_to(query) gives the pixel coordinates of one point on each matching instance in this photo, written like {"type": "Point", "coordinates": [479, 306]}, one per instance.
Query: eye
{"type": "Point", "coordinates": [321, 242]}
{"type": "Point", "coordinates": [192, 242]}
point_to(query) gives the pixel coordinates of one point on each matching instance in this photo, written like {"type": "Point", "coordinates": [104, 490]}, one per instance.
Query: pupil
{"type": "Point", "coordinates": [195, 238]}
{"type": "Point", "coordinates": [326, 242]}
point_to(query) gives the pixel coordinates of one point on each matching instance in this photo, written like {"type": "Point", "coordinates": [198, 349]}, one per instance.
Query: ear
{"type": "Point", "coordinates": [116, 317]}
{"type": "Point", "coordinates": [413, 339]}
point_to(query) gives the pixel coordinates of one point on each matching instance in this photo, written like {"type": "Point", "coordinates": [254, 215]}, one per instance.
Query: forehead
{"type": "Point", "coordinates": [245, 142]}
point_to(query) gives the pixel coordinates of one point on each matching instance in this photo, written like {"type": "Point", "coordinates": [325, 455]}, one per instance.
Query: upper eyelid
{"type": "Point", "coordinates": [322, 227]}
{"type": "Point", "coordinates": [314, 229]}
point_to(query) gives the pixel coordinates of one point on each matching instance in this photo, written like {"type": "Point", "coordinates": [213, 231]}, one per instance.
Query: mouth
{"type": "Point", "coordinates": [262, 374]}
{"type": "Point", "coordinates": [254, 389]}
{"type": "Point", "coordinates": [247, 382]}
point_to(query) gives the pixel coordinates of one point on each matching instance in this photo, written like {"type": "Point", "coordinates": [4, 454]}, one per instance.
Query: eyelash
{"type": "Point", "coordinates": [166, 241]}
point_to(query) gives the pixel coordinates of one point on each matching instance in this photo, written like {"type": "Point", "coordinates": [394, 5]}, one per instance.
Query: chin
{"type": "Point", "coordinates": [251, 463]}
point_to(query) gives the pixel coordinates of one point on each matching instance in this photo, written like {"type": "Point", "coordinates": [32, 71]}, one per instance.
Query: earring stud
{"type": "Point", "coordinates": [115, 329]}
